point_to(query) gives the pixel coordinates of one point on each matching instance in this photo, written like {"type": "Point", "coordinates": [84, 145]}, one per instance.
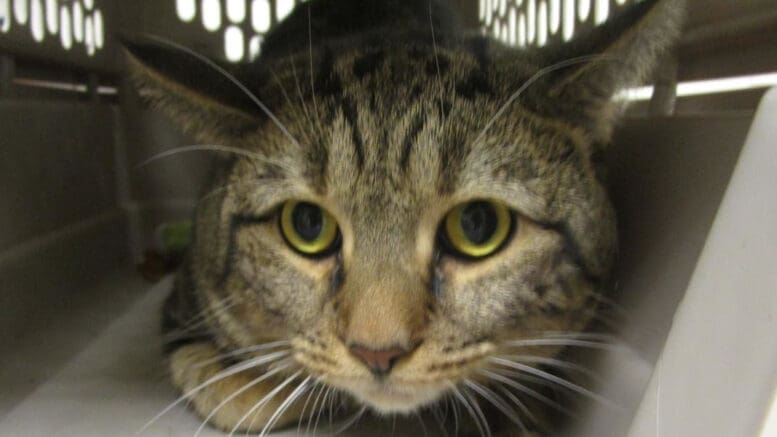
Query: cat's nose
{"type": "Point", "coordinates": [381, 361]}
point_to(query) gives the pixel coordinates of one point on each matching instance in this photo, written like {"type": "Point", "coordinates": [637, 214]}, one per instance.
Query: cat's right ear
{"type": "Point", "coordinates": [204, 98]}
{"type": "Point", "coordinates": [578, 79]}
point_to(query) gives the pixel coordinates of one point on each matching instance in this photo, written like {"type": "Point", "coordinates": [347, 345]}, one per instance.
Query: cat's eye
{"type": "Point", "coordinates": [477, 229]}
{"type": "Point", "coordinates": [308, 228]}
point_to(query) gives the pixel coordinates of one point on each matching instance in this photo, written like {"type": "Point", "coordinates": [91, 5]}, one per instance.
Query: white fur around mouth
{"type": "Point", "coordinates": [391, 397]}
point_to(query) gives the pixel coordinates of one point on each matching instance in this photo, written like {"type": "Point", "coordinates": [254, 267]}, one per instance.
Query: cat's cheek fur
{"type": "Point", "coordinates": [486, 294]}
{"type": "Point", "coordinates": [535, 288]}
{"type": "Point", "coordinates": [294, 296]}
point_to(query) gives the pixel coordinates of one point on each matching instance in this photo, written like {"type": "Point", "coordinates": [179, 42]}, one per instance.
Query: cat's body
{"type": "Point", "coordinates": [385, 125]}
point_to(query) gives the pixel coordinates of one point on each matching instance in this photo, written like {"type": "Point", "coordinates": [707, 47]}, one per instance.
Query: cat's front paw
{"type": "Point", "coordinates": [234, 397]}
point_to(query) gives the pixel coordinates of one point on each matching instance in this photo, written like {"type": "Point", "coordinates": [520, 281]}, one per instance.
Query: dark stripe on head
{"type": "Point", "coordinates": [352, 116]}
{"type": "Point", "coordinates": [445, 109]}
{"type": "Point", "coordinates": [407, 145]}
{"type": "Point", "coordinates": [327, 82]}
{"type": "Point", "coordinates": [452, 157]}
{"type": "Point", "coordinates": [416, 52]}
{"type": "Point", "coordinates": [432, 63]}
{"type": "Point", "coordinates": [374, 102]}
{"type": "Point", "coordinates": [318, 157]}
{"type": "Point", "coordinates": [573, 251]}
{"type": "Point", "coordinates": [436, 281]}
{"type": "Point", "coordinates": [415, 93]}
{"type": "Point", "coordinates": [235, 223]}
{"type": "Point", "coordinates": [552, 309]}
{"type": "Point", "coordinates": [337, 278]}
{"type": "Point", "coordinates": [475, 83]}
{"type": "Point", "coordinates": [368, 64]}
{"type": "Point", "coordinates": [479, 49]}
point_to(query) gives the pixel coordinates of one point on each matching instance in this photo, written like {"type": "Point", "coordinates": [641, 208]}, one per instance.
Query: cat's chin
{"type": "Point", "coordinates": [394, 398]}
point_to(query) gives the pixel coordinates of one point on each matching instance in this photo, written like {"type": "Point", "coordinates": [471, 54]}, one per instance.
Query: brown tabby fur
{"type": "Point", "coordinates": [388, 128]}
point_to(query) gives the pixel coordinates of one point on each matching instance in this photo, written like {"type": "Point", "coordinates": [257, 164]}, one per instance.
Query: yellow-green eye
{"type": "Point", "coordinates": [477, 229]}
{"type": "Point", "coordinates": [308, 228]}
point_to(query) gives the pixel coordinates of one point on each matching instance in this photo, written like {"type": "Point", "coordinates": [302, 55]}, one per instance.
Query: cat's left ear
{"type": "Point", "coordinates": [584, 74]}
{"type": "Point", "coordinates": [200, 95]}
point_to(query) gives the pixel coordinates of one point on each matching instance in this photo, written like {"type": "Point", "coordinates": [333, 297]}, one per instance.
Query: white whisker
{"type": "Point", "coordinates": [525, 377]}
{"type": "Point", "coordinates": [536, 76]}
{"type": "Point", "coordinates": [596, 336]}
{"type": "Point", "coordinates": [335, 393]}
{"type": "Point", "coordinates": [241, 351]}
{"type": "Point", "coordinates": [229, 371]}
{"type": "Point", "coordinates": [491, 397]}
{"type": "Point", "coordinates": [518, 403]}
{"type": "Point", "coordinates": [199, 148]}
{"type": "Point", "coordinates": [322, 387]}
{"type": "Point", "coordinates": [220, 304]}
{"type": "Point", "coordinates": [460, 397]}
{"type": "Point", "coordinates": [316, 385]}
{"type": "Point", "coordinates": [437, 63]}
{"type": "Point", "coordinates": [254, 181]}
{"type": "Point", "coordinates": [553, 362]}
{"type": "Point", "coordinates": [421, 421]}
{"type": "Point", "coordinates": [524, 389]}
{"type": "Point", "coordinates": [352, 421]}
{"type": "Point", "coordinates": [262, 402]}
{"type": "Point", "coordinates": [236, 394]}
{"type": "Point", "coordinates": [440, 416]}
{"type": "Point", "coordinates": [599, 315]}
{"type": "Point", "coordinates": [310, 55]}
{"type": "Point", "coordinates": [479, 411]}
{"type": "Point", "coordinates": [302, 99]}
{"type": "Point", "coordinates": [553, 378]}
{"type": "Point", "coordinates": [612, 304]}
{"type": "Point", "coordinates": [562, 342]}
{"type": "Point", "coordinates": [285, 405]}
{"type": "Point", "coordinates": [232, 79]}
{"type": "Point", "coordinates": [455, 408]}
{"type": "Point", "coordinates": [322, 407]}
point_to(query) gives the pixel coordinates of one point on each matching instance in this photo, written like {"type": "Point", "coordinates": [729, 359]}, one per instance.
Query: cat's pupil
{"type": "Point", "coordinates": [479, 222]}
{"type": "Point", "coordinates": [308, 221]}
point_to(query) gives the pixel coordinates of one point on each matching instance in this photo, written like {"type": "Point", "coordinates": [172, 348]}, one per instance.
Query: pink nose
{"type": "Point", "coordinates": [380, 362]}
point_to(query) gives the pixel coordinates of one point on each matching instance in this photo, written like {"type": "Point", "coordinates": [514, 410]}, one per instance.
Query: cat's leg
{"type": "Point", "coordinates": [188, 372]}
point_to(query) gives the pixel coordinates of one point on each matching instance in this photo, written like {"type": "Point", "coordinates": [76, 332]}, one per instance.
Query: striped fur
{"type": "Point", "coordinates": [388, 128]}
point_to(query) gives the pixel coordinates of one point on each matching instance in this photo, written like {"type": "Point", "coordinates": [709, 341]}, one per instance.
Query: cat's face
{"type": "Point", "coordinates": [389, 167]}
{"type": "Point", "coordinates": [384, 148]}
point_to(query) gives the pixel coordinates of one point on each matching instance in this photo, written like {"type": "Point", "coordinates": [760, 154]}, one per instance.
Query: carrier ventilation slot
{"type": "Point", "coordinates": [538, 22]}
{"type": "Point", "coordinates": [76, 24]}
{"type": "Point", "coordinates": [242, 23]}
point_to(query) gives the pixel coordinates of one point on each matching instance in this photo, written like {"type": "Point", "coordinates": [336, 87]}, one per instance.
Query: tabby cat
{"type": "Point", "coordinates": [407, 210]}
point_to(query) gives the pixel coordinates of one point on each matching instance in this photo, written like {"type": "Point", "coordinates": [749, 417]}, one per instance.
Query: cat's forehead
{"type": "Point", "coordinates": [392, 72]}
{"type": "Point", "coordinates": [406, 63]}
{"type": "Point", "coordinates": [407, 128]}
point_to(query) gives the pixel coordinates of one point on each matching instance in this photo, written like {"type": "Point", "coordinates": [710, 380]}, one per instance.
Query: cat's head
{"type": "Point", "coordinates": [406, 212]}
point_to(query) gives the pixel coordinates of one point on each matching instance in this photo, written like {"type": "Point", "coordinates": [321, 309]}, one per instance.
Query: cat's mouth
{"type": "Point", "coordinates": [392, 396]}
